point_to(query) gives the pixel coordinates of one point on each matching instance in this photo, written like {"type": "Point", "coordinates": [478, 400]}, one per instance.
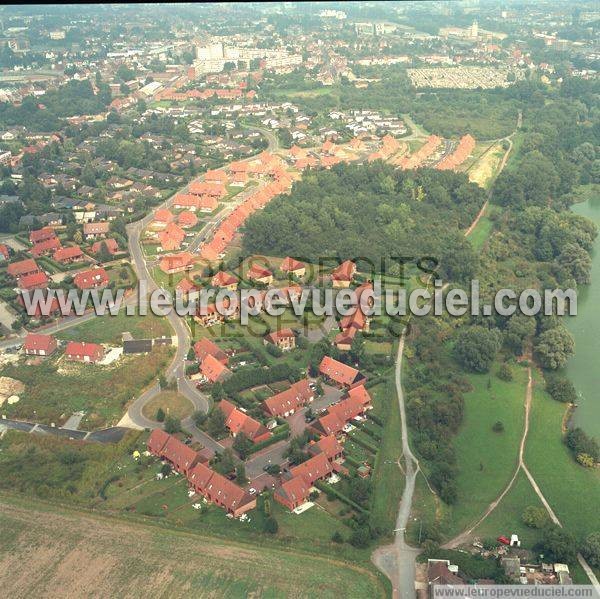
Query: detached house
{"type": "Point", "coordinates": [39, 345]}
{"type": "Point", "coordinates": [95, 230]}
{"type": "Point", "coordinates": [224, 280]}
{"type": "Point", "coordinates": [284, 339]}
{"type": "Point", "coordinates": [212, 370]}
{"type": "Point", "coordinates": [84, 352]}
{"type": "Point", "coordinates": [94, 278]}
{"type": "Point", "coordinates": [293, 267]}
{"type": "Point", "coordinates": [342, 275]}
{"type": "Point", "coordinates": [258, 274]}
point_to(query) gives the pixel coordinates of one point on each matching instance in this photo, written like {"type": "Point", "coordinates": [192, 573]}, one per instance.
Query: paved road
{"type": "Point", "coordinates": [176, 370]}
{"type": "Point", "coordinates": [397, 561]}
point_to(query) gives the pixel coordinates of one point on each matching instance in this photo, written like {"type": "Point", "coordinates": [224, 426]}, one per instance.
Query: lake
{"type": "Point", "coordinates": [584, 368]}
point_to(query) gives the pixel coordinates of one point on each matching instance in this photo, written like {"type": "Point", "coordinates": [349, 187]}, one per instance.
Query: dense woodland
{"type": "Point", "coordinates": [372, 212]}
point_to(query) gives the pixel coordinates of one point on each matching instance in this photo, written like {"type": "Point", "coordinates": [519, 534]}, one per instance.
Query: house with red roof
{"type": "Point", "coordinates": [213, 370]}
{"type": "Point", "coordinates": [341, 374]}
{"type": "Point", "coordinates": [293, 267]}
{"type": "Point", "coordinates": [292, 493]}
{"type": "Point", "coordinates": [95, 278]}
{"type": "Point", "coordinates": [81, 351]}
{"type": "Point", "coordinates": [206, 347]}
{"type": "Point", "coordinates": [69, 254]}
{"type": "Point", "coordinates": [203, 188]}
{"type": "Point", "coordinates": [290, 400]}
{"type": "Point", "coordinates": [186, 201]}
{"type": "Point", "coordinates": [240, 179]}
{"type": "Point", "coordinates": [39, 345]}
{"type": "Point", "coordinates": [180, 456]}
{"type": "Point", "coordinates": [185, 287]}
{"type": "Point", "coordinates": [342, 275]}
{"type": "Point", "coordinates": [258, 274]}
{"type": "Point", "coordinates": [329, 446]}
{"type": "Point", "coordinates": [162, 217]}
{"type": "Point", "coordinates": [316, 468]}
{"type": "Point", "coordinates": [224, 280]}
{"type": "Point", "coordinates": [284, 339]}
{"type": "Point", "coordinates": [47, 246]}
{"type": "Point", "coordinates": [22, 268]}
{"type": "Point", "coordinates": [95, 230]}
{"type": "Point", "coordinates": [216, 176]}
{"type": "Point", "coordinates": [187, 219]}
{"type": "Point", "coordinates": [175, 263]}
{"type": "Point", "coordinates": [221, 491]}
{"type": "Point", "coordinates": [4, 252]}
{"type": "Point", "coordinates": [40, 235]}
{"type": "Point", "coordinates": [239, 422]}
{"type": "Point", "coordinates": [36, 280]}
{"type": "Point", "coordinates": [111, 245]}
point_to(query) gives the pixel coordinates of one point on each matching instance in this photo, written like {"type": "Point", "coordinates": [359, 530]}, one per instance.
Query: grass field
{"type": "Point", "coordinates": [486, 459]}
{"type": "Point", "coordinates": [43, 548]}
{"type": "Point", "coordinates": [171, 403]}
{"type": "Point", "coordinates": [109, 329]}
{"type": "Point", "coordinates": [387, 478]}
{"type": "Point", "coordinates": [481, 232]}
{"type": "Point", "coordinates": [572, 491]}
{"type": "Point", "coordinates": [484, 168]}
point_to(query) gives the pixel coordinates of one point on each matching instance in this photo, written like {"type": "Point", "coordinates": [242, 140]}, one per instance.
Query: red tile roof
{"type": "Point", "coordinates": [72, 252]}
{"type": "Point", "coordinates": [223, 279]}
{"type": "Point", "coordinates": [316, 468]}
{"type": "Point", "coordinates": [290, 399]}
{"type": "Point", "coordinates": [327, 445]}
{"type": "Point", "coordinates": [81, 349]}
{"type": "Point", "coordinates": [111, 245]}
{"type": "Point", "coordinates": [275, 336]}
{"type": "Point", "coordinates": [22, 267]}
{"type": "Point", "coordinates": [239, 422]}
{"type": "Point", "coordinates": [38, 342]}
{"type": "Point", "coordinates": [45, 246]}
{"type": "Point", "coordinates": [90, 279]}
{"type": "Point", "coordinates": [42, 234]}
{"type": "Point", "coordinates": [213, 370]}
{"type": "Point", "coordinates": [339, 372]}
{"type": "Point", "coordinates": [290, 264]}
{"type": "Point", "coordinates": [37, 280]}
{"type": "Point", "coordinates": [206, 347]}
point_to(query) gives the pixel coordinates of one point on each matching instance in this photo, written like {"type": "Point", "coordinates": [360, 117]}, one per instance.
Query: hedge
{"type": "Point", "coordinates": [284, 434]}
{"type": "Point", "coordinates": [329, 490]}
{"type": "Point", "coordinates": [374, 418]}
{"type": "Point", "coordinates": [364, 443]}
{"type": "Point", "coordinates": [369, 432]}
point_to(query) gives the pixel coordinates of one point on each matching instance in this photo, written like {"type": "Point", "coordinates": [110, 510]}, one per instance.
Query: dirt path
{"type": "Point", "coordinates": [465, 536]}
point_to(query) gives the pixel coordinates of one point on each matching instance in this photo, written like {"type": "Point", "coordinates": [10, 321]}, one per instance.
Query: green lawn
{"type": "Point", "coordinates": [572, 490]}
{"type": "Point", "coordinates": [387, 479]}
{"type": "Point", "coordinates": [486, 460]}
{"type": "Point", "coordinates": [109, 329]}
{"type": "Point", "coordinates": [481, 232]}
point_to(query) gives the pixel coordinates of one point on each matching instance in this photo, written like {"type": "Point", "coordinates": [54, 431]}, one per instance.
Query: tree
{"type": "Point", "coordinates": [160, 415]}
{"type": "Point", "coordinates": [271, 525]}
{"type": "Point", "coordinates": [240, 474]}
{"type": "Point", "coordinates": [242, 444]}
{"type": "Point", "coordinates": [215, 424]}
{"type": "Point", "coordinates": [476, 348]}
{"type": "Point", "coordinates": [576, 262]}
{"type": "Point", "coordinates": [504, 372]}
{"type": "Point", "coordinates": [225, 463]}
{"type": "Point", "coordinates": [555, 347]}
{"type": "Point", "coordinates": [535, 517]}
{"type": "Point", "coordinates": [591, 549]}
{"type": "Point", "coordinates": [172, 425]}
{"type": "Point", "coordinates": [519, 329]}
{"type": "Point", "coordinates": [103, 255]}
{"type": "Point", "coordinates": [558, 545]}
{"type": "Point", "coordinates": [336, 537]}
{"type": "Point", "coordinates": [561, 389]}
{"type": "Point", "coordinates": [361, 537]}
{"type": "Point", "coordinates": [579, 442]}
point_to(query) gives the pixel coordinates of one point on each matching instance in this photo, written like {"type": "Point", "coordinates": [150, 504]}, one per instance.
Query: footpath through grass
{"type": "Point", "coordinates": [572, 491]}
{"type": "Point", "coordinates": [486, 459]}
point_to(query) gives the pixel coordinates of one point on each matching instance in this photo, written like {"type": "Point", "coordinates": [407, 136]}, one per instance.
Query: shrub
{"type": "Point", "coordinates": [504, 373]}
{"type": "Point", "coordinates": [498, 427]}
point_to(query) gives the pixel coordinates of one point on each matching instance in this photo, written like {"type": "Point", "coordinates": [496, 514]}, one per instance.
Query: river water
{"type": "Point", "coordinates": [584, 367]}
